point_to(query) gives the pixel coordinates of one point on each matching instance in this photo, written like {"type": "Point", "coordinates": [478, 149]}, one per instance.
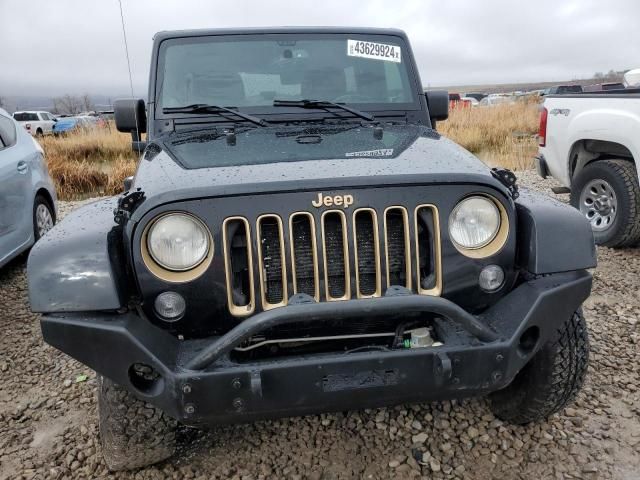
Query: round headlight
{"type": "Point", "coordinates": [474, 222]}
{"type": "Point", "coordinates": [178, 241]}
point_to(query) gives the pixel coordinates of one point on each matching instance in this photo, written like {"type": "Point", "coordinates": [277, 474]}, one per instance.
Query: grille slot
{"type": "Point", "coordinates": [367, 253]}
{"type": "Point", "coordinates": [397, 247]}
{"type": "Point", "coordinates": [236, 235]}
{"type": "Point", "coordinates": [271, 261]}
{"type": "Point", "coordinates": [304, 257]}
{"type": "Point", "coordinates": [427, 250]}
{"type": "Point", "coordinates": [336, 255]}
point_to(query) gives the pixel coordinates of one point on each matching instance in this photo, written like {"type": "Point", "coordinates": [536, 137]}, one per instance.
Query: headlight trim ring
{"type": "Point", "coordinates": [498, 240]}
{"type": "Point", "coordinates": [175, 276]}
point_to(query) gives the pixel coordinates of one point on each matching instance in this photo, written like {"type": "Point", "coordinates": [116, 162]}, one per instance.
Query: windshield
{"type": "Point", "coordinates": [252, 71]}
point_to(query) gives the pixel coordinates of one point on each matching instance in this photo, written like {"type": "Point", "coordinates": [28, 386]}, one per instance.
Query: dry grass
{"type": "Point", "coordinates": [95, 162]}
{"type": "Point", "coordinates": [89, 163]}
{"type": "Point", "coordinates": [502, 135]}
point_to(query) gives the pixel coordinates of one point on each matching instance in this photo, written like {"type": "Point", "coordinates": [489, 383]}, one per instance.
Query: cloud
{"type": "Point", "coordinates": [77, 45]}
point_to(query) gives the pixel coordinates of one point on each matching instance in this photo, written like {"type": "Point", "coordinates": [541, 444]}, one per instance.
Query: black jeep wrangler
{"type": "Point", "coordinates": [298, 238]}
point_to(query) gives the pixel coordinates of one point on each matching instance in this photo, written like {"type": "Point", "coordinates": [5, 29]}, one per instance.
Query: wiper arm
{"type": "Point", "coordinates": [204, 108]}
{"type": "Point", "coordinates": [321, 104]}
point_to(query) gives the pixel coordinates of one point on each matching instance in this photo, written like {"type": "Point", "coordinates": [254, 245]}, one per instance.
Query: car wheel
{"type": "Point", "coordinates": [608, 195]}
{"type": "Point", "coordinates": [43, 217]}
{"type": "Point", "coordinates": [550, 380]}
{"type": "Point", "coordinates": [39, 132]}
{"type": "Point", "coordinates": [133, 433]}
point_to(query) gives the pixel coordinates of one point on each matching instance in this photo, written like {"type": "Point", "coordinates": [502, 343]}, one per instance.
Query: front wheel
{"type": "Point", "coordinates": [550, 380]}
{"type": "Point", "coordinates": [607, 193]}
{"type": "Point", "coordinates": [133, 433]}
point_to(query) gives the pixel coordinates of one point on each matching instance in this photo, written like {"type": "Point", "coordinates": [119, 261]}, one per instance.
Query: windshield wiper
{"type": "Point", "coordinates": [204, 108]}
{"type": "Point", "coordinates": [321, 104]}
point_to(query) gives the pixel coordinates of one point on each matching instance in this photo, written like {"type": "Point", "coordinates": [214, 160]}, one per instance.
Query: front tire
{"type": "Point", "coordinates": [608, 194]}
{"type": "Point", "coordinates": [133, 433]}
{"type": "Point", "coordinates": [550, 380]}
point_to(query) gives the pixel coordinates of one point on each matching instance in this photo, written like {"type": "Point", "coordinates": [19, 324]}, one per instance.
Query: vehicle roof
{"type": "Point", "coordinates": [166, 34]}
{"type": "Point", "coordinates": [32, 111]}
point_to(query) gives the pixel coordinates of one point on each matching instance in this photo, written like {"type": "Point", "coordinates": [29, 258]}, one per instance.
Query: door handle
{"type": "Point", "coordinates": [22, 166]}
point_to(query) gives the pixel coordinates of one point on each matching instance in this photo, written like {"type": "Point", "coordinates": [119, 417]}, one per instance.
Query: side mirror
{"type": "Point", "coordinates": [131, 116]}
{"type": "Point", "coordinates": [438, 104]}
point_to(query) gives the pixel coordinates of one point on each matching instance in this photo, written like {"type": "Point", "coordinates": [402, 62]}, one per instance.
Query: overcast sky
{"type": "Point", "coordinates": [59, 46]}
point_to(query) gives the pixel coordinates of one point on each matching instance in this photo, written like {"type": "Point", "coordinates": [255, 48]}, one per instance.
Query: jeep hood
{"type": "Point", "coordinates": [208, 163]}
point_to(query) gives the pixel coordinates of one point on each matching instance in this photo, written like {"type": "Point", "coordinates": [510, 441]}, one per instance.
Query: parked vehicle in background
{"type": "Point", "coordinates": [496, 99]}
{"type": "Point", "coordinates": [632, 78]}
{"type": "Point", "coordinates": [456, 101]}
{"type": "Point", "coordinates": [316, 247]}
{"type": "Point", "coordinates": [73, 124]}
{"type": "Point", "coordinates": [591, 143]}
{"type": "Point", "coordinates": [613, 86]}
{"type": "Point", "coordinates": [562, 90]}
{"type": "Point", "coordinates": [471, 100]}
{"type": "Point", "coordinates": [603, 86]}
{"type": "Point", "coordinates": [36, 122]}
{"type": "Point", "coordinates": [27, 193]}
{"type": "Point", "coordinates": [477, 95]}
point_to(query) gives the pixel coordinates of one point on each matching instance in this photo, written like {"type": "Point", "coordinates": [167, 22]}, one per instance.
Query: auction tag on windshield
{"type": "Point", "coordinates": [375, 51]}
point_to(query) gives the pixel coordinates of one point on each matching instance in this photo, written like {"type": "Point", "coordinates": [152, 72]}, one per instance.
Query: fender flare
{"type": "Point", "coordinates": [552, 236]}
{"type": "Point", "coordinates": [78, 265]}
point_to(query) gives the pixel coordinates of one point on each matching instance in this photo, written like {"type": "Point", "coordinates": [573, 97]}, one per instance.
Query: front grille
{"type": "Point", "coordinates": [324, 250]}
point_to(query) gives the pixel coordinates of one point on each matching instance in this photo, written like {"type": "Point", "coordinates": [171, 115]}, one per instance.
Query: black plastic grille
{"type": "Point", "coordinates": [396, 247]}
{"type": "Point", "coordinates": [426, 255]}
{"type": "Point", "coordinates": [303, 254]}
{"type": "Point", "coordinates": [367, 252]}
{"type": "Point", "coordinates": [334, 250]}
{"type": "Point", "coordinates": [238, 265]}
{"type": "Point", "coordinates": [272, 261]}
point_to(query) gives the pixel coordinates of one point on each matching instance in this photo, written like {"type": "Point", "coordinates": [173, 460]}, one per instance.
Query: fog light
{"type": "Point", "coordinates": [491, 278]}
{"type": "Point", "coordinates": [170, 306]}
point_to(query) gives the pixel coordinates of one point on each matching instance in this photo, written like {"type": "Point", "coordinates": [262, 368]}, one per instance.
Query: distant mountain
{"type": "Point", "coordinates": [12, 103]}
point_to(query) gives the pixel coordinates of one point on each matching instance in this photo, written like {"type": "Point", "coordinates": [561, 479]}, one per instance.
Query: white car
{"type": "Point", "coordinates": [472, 101]}
{"type": "Point", "coordinates": [496, 99]}
{"type": "Point", "coordinates": [590, 142]}
{"type": "Point", "coordinates": [36, 122]}
{"type": "Point", "coordinates": [27, 193]}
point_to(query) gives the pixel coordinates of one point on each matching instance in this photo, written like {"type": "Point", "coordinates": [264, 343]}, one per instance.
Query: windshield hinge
{"type": "Point", "coordinates": [127, 203]}
{"type": "Point", "coordinates": [508, 179]}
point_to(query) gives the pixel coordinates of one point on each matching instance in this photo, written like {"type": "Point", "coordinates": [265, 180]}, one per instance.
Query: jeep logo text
{"type": "Point", "coordinates": [343, 201]}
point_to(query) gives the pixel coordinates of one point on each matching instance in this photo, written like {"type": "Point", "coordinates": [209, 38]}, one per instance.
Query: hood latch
{"type": "Point", "coordinates": [127, 203]}
{"type": "Point", "coordinates": [508, 179]}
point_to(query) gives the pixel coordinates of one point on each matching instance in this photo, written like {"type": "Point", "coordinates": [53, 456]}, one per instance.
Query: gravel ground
{"type": "Point", "coordinates": [48, 421]}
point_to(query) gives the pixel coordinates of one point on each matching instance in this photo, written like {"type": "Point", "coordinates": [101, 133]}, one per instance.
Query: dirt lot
{"type": "Point", "coordinates": [48, 423]}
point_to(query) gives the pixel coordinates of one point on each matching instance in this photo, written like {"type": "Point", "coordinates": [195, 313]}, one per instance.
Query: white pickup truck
{"type": "Point", "coordinates": [590, 143]}
{"type": "Point", "coordinates": [37, 123]}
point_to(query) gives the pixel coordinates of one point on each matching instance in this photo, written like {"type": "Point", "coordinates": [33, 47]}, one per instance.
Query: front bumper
{"type": "Point", "coordinates": [198, 382]}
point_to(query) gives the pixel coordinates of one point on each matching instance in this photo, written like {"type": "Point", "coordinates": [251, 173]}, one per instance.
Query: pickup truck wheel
{"type": "Point", "coordinates": [550, 380]}
{"type": "Point", "coordinates": [608, 194]}
{"type": "Point", "coordinates": [133, 433]}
